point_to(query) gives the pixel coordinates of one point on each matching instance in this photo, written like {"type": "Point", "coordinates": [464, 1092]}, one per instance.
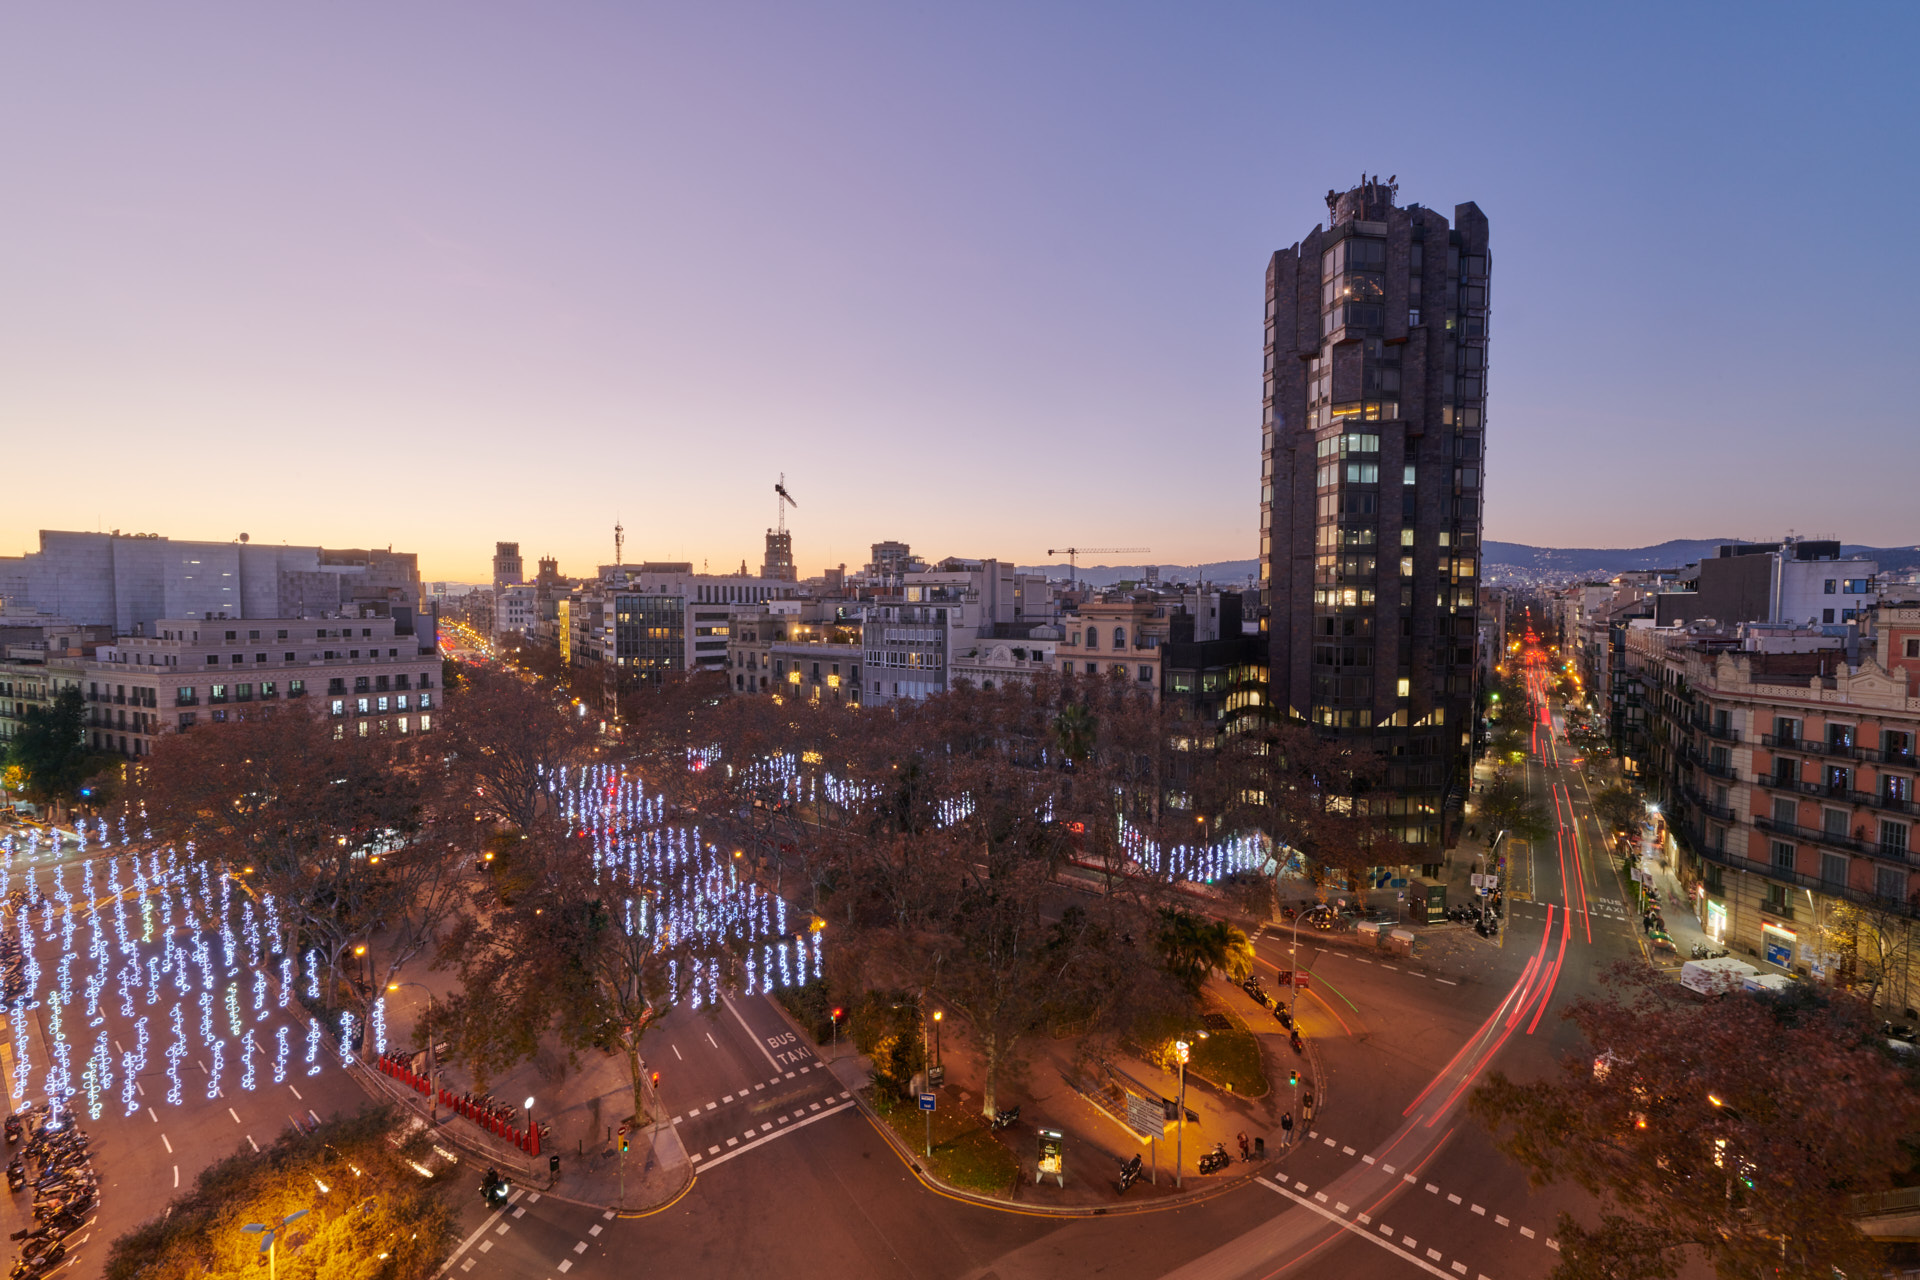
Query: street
{"type": "Point", "coordinates": [1388, 1178]}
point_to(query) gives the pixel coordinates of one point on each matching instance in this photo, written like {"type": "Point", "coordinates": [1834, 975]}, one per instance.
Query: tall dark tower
{"type": "Point", "coordinates": [1375, 395]}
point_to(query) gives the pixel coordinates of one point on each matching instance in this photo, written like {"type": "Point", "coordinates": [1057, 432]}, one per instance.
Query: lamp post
{"type": "Point", "coordinates": [927, 1071]}
{"type": "Point", "coordinates": [433, 1085]}
{"type": "Point", "coordinates": [269, 1245]}
{"type": "Point", "coordinates": [938, 1014]}
{"type": "Point", "coordinates": [1181, 1052]}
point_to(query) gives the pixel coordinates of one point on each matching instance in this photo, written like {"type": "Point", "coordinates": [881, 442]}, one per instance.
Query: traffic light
{"type": "Point", "coordinates": [1293, 1079]}
{"type": "Point", "coordinates": [623, 1140]}
{"type": "Point", "coordinates": [656, 1079]}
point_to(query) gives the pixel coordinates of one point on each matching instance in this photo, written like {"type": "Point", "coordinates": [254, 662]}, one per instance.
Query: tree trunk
{"type": "Point", "coordinates": [638, 1076]}
{"type": "Point", "coordinates": [990, 1051]}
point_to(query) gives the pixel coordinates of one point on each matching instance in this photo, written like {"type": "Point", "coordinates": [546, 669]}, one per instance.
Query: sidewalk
{"type": "Point", "coordinates": [1095, 1142]}
{"type": "Point", "coordinates": [583, 1106]}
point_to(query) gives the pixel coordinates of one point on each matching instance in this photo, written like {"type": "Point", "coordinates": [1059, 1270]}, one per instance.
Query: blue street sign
{"type": "Point", "coordinates": [926, 1102]}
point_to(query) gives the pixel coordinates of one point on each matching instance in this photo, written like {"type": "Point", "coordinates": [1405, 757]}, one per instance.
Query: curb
{"type": "Point", "coordinates": [926, 1179]}
{"type": "Point", "coordinates": [528, 1174]}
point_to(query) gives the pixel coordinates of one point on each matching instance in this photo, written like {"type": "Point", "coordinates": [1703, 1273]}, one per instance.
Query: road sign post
{"type": "Point", "coordinates": [1148, 1118]}
{"type": "Point", "coordinates": [926, 1105]}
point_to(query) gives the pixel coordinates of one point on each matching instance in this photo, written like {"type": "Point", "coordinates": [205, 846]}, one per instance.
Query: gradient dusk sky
{"type": "Point", "coordinates": [986, 278]}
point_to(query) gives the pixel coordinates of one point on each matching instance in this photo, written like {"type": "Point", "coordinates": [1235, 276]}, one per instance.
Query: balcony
{"type": "Point", "coordinates": [186, 702]}
{"type": "Point", "coordinates": [1698, 801]}
{"type": "Point", "coordinates": [1719, 733]}
{"type": "Point", "coordinates": [1721, 857]}
{"type": "Point", "coordinates": [1842, 751]}
{"type": "Point", "coordinates": [1837, 840]}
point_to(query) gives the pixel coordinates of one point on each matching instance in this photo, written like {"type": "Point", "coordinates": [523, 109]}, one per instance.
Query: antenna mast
{"type": "Point", "coordinates": [619, 544]}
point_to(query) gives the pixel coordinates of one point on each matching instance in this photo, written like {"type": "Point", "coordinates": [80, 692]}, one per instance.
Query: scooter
{"type": "Point", "coordinates": [1281, 1016]}
{"type": "Point", "coordinates": [1006, 1118]}
{"type": "Point", "coordinates": [1215, 1160]}
{"type": "Point", "coordinates": [13, 1128]}
{"type": "Point", "coordinates": [16, 1175]}
{"type": "Point", "coordinates": [1129, 1173]}
{"type": "Point", "coordinates": [1294, 1039]}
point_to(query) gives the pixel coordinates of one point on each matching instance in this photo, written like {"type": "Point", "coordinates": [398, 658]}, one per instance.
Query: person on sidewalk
{"type": "Point", "coordinates": [1306, 1108]}
{"type": "Point", "coordinates": [1246, 1148]}
{"type": "Point", "coordinates": [1286, 1128]}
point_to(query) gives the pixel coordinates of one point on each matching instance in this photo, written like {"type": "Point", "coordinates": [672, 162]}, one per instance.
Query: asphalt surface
{"type": "Point", "coordinates": [1389, 1179]}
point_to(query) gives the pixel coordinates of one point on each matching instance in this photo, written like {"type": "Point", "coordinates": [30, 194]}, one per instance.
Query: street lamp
{"type": "Point", "coordinates": [938, 1014]}
{"type": "Point", "coordinates": [433, 1085]}
{"type": "Point", "coordinates": [1181, 1052]}
{"type": "Point", "coordinates": [268, 1245]}
{"type": "Point", "coordinates": [528, 1104]}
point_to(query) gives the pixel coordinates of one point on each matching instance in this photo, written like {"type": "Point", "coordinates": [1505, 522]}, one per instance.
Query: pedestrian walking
{"type": "Point", "coordinates": [1306, 1107]}
{"type": "Point", "coordinates": [1246, 1148]}
{"type": "Point", "coordinates": [1286, 1128]}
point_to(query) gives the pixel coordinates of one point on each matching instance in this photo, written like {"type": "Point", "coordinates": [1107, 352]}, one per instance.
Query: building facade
{"type": "Point", "coordinates": [130, 582]}
{"type": "Point", "coordinates": [1374, 406]}
{"type": "Point", "coordinates": [1787, 772]}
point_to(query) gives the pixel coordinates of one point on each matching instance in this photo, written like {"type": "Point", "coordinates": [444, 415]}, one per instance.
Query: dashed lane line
{"type": "Point", "coordinates": [708, 1162]}
{"type": "Point", "coordinates": [466, 1244]}
{"type": "Point", "coordinates": [1383, 1241]}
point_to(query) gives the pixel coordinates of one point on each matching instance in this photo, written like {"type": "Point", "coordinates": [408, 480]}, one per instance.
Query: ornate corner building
{"type": "Point", "coordinates": [1373, 429]}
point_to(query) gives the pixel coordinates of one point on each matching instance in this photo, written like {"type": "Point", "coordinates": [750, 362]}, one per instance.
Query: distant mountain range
{"type": "Point", "coordinates": [1501, 559]}
{"type": "Point", "coordinates": [1223, 572]}
{"type": "Point", "coordinates": [1603, 562]}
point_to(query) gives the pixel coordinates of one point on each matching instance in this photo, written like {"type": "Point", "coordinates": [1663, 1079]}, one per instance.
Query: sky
{"type": "Point", "coordinates": [984, 278]}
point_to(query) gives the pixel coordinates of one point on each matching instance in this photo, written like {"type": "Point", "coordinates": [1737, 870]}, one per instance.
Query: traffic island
{"type": "Point", "coordinates": [955, 1145]}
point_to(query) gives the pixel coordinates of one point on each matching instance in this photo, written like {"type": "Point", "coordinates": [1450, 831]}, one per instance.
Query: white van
{"type": "Point", "coordinates": [1715, 977]}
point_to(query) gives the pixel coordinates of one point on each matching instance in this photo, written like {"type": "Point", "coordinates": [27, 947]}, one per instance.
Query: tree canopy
{"type": "Point", "coordinates": [368, 1213]}
{"type": "Point", "coordinates": [1735, 1129]}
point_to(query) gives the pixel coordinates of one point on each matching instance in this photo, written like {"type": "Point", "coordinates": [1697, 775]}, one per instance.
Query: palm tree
{"type": "Point", "coordinates": [1192, 947]}
{"type": "Point", "coordinates": [1073, 731]}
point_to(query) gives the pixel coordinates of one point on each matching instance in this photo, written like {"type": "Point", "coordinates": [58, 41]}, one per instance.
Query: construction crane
{"type": "Point", "coordinates": [784, 501]}
{"type": "Point", "coordinates": [1074, 553]}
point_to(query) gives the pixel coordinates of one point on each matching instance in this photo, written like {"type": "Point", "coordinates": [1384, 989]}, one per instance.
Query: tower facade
{"type": "Point", "coordinates": [779, 561]}
{"type": "Point", "coordinates": [506, 564]}
{"type": "Point", "coordinates": [1372, 458]}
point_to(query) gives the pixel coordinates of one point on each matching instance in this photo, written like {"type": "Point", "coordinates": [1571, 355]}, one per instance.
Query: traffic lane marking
{"type": "Point", "coordinates": [1408, 1178]}
{"type": "Point", "coordinates": [1346, 1225]}
{"type": "Point", "coordinates": [703, 1163]}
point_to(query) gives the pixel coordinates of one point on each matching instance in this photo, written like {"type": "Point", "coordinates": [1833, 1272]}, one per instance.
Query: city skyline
{"type": "Point", "coordinates": [353, 265]}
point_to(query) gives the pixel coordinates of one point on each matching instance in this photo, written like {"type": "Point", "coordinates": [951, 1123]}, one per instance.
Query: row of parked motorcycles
{"type": "Point", "coordinates": [1210, 1162]}
{"type": "Point", "coordinates": [53, 1159]}
{"type": "Point", "coordinates": [1258, 994]}
{"type": "Point", "coordinates": [1701, 951]}
{"type": "Point", "coordinates": [13, 962]}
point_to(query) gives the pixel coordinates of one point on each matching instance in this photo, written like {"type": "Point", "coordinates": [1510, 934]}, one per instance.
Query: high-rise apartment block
{"type": "Point", "coordinates": [1375, 394]}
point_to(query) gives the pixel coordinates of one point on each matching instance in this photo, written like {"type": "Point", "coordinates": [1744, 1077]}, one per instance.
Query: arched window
{"type": "Point", "coordinates": [1093, 637]}
{"type": "Point", "coordinates": [1119, 637]}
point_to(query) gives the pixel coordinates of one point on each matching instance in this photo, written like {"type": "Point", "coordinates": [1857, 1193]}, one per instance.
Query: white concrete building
{"type": "Point", "coordinates": [129, 582]}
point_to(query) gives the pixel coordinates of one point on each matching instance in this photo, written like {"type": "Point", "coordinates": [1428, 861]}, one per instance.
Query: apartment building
{"type": "Point", "coordinates": [1786, 760]}
{"type": "Point", "coordinates": [1118, 636]}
